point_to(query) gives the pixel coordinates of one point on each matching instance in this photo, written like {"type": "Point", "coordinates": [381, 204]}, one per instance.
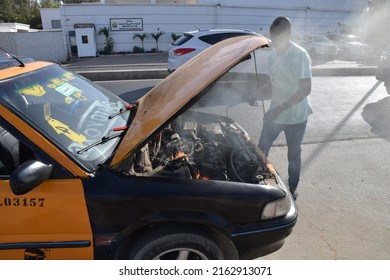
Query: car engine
{"type": "Point", "coordinates": [201, 146]}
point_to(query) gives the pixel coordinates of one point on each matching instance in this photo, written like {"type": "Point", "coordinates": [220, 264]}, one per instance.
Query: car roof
{"type": "Point", "coordinates": [342, 35]}
{"type": "Point", "coordinates": [9, 61]}
{"type": "Point", "coordinates": [219, 30]}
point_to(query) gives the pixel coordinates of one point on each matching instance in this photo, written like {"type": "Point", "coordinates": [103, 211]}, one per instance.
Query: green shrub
{"type": "Point", "coordinates": [137, 49]}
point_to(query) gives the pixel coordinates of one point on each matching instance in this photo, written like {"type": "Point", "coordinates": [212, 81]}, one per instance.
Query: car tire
{"type": "Point", "coordinates": [176, 244]}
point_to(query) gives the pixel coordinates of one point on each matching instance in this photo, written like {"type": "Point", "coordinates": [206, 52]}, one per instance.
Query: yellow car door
{"type": "Point", "coordinates": [49, 222]}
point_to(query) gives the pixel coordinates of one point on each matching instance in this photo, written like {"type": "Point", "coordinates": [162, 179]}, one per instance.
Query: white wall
{"type": "Point", "coordinates": [148, 1]}
{"type": "Point", "coordinates": [340, 5]}
{"type": "Point", "coordinates": [14, 27]}
{"type": "Point", "coordinates": [47, 15]}
{"type": "Point", "coordinates": [43, 45]}
{"type": "Point", "coordinates": [312, 16]}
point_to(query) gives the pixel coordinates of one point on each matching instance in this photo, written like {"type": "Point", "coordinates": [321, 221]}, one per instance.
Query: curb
{"type": "Point", "coordinates": [362, 71]}
{"type": "Point", "coordinates": [113, 75]}
{"type": "Point", "coordinates": [139, 74]}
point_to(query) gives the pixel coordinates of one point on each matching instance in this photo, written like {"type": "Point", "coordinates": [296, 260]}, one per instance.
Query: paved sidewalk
{"type": "Point", "coordinates": [343, 68]}
{"type": "Point", "coordinates": [121, 67]}
{"type": "Point", "coordinates": [154, 66]}
{"type": "Point", "coordinates": [120, 60]}
{"type": "Point", "coordinates": [343, 213]}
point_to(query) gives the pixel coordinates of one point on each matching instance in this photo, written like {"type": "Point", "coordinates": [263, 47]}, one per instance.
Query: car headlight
{"type": "Point", "coordinates": [277, 208]}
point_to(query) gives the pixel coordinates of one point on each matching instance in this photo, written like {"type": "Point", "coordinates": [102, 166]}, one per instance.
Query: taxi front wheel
{"type": "Point", "coordinates": [181, 244]}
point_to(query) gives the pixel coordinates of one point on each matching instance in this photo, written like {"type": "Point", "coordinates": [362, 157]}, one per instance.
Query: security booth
{"type": "Point", "coordinates": [85, 39]}
{"type": "Point", "coordinates": [72, 43]}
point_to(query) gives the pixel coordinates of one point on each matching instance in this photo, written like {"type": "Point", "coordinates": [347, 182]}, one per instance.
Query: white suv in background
{"type": "Point", "coordinates": [318, 46]}
{"type": "Point", "coordinates": [193, 42]}
{"type": "Point", "coordinates": [350, 46]}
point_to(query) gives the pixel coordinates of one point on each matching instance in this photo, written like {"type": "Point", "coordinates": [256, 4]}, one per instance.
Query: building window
{"type": "Point", "coordinates": [56, 23]}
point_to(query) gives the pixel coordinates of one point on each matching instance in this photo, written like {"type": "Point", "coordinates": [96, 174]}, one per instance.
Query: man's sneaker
{"type": "Point", "coordinates": [295, 195]}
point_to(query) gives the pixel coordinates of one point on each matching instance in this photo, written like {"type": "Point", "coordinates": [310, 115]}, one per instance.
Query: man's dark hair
{"type": "Point", "coordinates": [280, 25]}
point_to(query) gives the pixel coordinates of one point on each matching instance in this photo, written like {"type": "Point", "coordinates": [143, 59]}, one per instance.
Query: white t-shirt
{"type": "Point", "coordinates": [285, 72]}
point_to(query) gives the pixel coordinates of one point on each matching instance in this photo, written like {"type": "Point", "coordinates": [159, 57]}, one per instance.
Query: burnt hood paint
{"type": "Point", "coordinates": [177, 90]}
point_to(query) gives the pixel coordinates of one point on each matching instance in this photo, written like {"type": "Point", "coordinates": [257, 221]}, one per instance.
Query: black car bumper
{"type": "Point", "coordinates": [259, 240]}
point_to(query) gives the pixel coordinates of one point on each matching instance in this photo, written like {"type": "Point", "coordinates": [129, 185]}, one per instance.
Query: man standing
{"type": "Point", "coordinates": [290, 74]}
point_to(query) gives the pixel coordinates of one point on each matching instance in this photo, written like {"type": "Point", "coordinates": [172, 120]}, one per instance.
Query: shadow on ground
{"type": "Point", "coordinates": [378, 116]}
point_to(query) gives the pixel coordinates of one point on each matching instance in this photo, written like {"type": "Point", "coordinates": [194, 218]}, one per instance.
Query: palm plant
{"type": "Point", "coordinates": [156, 36]}
{"type": "Point", "coordinates": [109, 41]}
{"type": "Point", "coordinates": [104, 31]}
{"type": "Point", "coordinates": [142, 37]}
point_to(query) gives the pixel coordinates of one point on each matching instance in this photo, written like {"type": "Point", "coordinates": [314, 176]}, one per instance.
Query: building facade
{"type": "Point", "coordinates": [126, 18]}
{"type": "Point", "coordinates": [15, 27]}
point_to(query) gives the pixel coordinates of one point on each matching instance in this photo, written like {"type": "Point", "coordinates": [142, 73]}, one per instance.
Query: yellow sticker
{"type": "Point", "coordinates": [68, 76]}
{"type": "Point", "coordinates": [80, 96]}
{"type": "Point", "coordinates": [34, 90]}
{"type": "Point", "coordinates": [68, 100]}
{"type": "Point", "coordinates": [62, 128]}
{"type": "Point", "coordinates": [55, 82]}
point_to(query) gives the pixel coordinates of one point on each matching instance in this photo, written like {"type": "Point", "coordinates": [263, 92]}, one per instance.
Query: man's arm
{"type": "Point", "coordinates": [302, 92]}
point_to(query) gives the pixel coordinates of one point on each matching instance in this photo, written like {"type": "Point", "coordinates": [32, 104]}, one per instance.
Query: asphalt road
{"type": "Point", "coordinates": [345, 108]}
{"type": "Point", "coordinates": [344, 198]}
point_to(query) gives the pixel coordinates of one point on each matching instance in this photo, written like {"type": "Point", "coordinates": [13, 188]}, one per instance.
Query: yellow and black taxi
{"type": "Point", "coordinates": [87, 175]}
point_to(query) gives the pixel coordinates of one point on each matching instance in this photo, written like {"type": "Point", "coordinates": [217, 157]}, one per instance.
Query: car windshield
{"type": "Point", "coordinates": [182, 39]}
{"type": "Point", "coordinates": [214, 38]}
{"type": "Point", "coordinates": [68, 110]}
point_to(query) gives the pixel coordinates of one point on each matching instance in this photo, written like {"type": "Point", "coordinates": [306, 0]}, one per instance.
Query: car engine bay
{"type": "Point", "coordinates": [202, 146]}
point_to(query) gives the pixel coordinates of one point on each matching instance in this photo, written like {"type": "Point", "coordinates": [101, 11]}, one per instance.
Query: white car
{"type": "Point", "coordinates": [319, 46]}
{"type": "Point", "coordinates": [193, 42]}
{"type": "Point", "coordinates": [350, 46]}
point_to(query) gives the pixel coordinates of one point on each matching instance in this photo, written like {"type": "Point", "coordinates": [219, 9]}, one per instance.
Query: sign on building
{"type": "Point", "coordinates": [126, 24]}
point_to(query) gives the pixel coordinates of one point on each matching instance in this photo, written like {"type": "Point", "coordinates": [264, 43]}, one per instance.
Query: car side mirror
{"type": "Point", "coordinates": [28, 176]}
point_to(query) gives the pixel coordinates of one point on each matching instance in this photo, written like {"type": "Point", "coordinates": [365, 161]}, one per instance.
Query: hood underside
{"type": "Point", "coordinates": [176, 91]}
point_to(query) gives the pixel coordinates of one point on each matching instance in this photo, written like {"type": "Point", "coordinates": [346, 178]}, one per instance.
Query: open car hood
{"type": "Point", "coordinates": [162, 102]}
